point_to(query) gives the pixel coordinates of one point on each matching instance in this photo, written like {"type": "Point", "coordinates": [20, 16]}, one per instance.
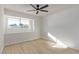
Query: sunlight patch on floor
{"type": "Point", "coordinates": [58, 43]}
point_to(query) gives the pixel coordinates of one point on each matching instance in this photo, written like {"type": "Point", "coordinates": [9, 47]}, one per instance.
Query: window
{"type": "Point", "coordinates": [25, 23]}
{"type": "Point", "coordinates": [14, 22]}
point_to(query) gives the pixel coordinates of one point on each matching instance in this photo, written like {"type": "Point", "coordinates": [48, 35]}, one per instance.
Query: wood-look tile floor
{"type": "Point", "coordinates": [38, 46]}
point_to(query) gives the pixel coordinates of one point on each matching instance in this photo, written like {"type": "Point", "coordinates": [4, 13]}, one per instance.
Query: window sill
{"type": "Point", "coordinates": [17, 30]}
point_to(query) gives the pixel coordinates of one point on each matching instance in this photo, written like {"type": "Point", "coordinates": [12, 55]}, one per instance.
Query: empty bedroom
{"type": "Point", "coordinates": [39, 28]}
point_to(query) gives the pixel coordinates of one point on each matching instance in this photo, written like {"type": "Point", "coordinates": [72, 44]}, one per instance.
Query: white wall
{"type": "Point", "coordinates": [22, 36]}
{"type": "Point", "coordinates": [64, 26]}
{"type": "Point", "coordinates": [1, 29]}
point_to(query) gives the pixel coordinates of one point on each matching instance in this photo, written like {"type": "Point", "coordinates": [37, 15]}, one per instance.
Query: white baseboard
{"type": "Point", "coordinates": [22, 41]}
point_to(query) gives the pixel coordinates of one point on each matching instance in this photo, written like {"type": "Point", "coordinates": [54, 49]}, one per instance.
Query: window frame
{"type": "Point", "coordinates": [20, 29]}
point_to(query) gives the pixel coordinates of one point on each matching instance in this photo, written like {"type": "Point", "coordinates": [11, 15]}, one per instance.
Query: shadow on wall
{"type": "Point", "coordinates": [58, 44]}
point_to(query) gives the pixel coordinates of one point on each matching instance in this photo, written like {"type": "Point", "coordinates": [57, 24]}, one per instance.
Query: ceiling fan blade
{"type": "Point", "coordinates": [44, 10]}
{"type": "Point", "coordinates": [31, 10]}
{"type": "Point", "coordinates": [33, 6]}
{"type": "Point", "coordinates": [37, 12]}
{"type": "Point", "coordinates": [44, 6]}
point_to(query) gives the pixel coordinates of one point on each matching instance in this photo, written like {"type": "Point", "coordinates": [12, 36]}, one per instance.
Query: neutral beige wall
{"type": "Point", "coordinates": [22, 36]}
{"type": "Point", "coordinates": [1, 28]}
{"type": "Point", "coordinates": [64, 26]}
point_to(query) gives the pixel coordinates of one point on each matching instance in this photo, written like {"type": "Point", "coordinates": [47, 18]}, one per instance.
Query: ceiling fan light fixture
{"type": "Point", "coordinates": [37, 8]}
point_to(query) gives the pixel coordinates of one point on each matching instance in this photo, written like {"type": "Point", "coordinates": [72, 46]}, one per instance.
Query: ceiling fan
{"type": "Point", "coordinates": [38, 8]}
